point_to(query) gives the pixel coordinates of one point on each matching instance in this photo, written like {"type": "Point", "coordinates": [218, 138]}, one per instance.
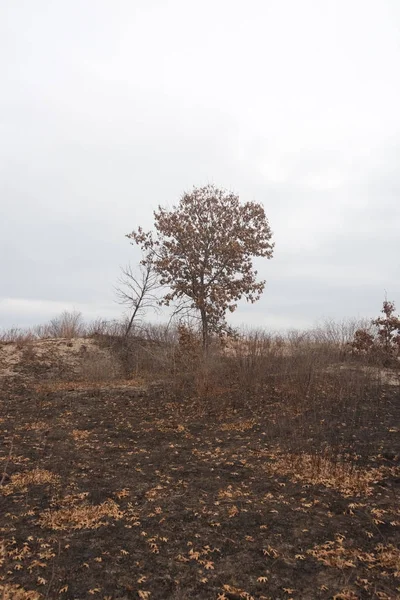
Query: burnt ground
{"type": "Point", "coordinates": [109, 493]}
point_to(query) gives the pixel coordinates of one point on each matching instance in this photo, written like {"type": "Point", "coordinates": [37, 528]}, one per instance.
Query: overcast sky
{"type": "Point", "coordinates": [109, 108]}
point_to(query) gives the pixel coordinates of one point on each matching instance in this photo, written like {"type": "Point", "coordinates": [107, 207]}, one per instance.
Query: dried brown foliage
{"type": "Point", "coordinates": [382, 340]}
{"type": "Point", "coordinates": [203, 250]}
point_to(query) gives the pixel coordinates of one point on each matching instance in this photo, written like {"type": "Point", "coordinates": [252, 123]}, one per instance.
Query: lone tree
{"type": "Point", "coordinates": [203, 249]}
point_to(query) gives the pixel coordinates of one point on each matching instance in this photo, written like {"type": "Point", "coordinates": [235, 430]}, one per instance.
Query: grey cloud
{"type": "Point", "coordinates": [108, 112]}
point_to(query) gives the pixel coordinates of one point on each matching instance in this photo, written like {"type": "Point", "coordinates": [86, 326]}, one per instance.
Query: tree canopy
{"type": "Point", "coordinates": [203, 250]}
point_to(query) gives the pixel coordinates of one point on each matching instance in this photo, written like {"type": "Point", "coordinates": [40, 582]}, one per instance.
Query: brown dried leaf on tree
{"type": "Point", "coordinates": [203, 250]}
{"type": "Point", "coordinates": [383, 339]}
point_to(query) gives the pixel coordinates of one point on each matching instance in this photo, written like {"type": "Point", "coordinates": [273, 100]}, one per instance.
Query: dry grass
{"type": "Point", "coordinates": [342, 475]}
{"type": "Point", "coordinates": [96, 367]}
{"type": "Point", "coordinates": [337, 553]}
{"type": "Point", "coordinates": [19, 482]}
{"type": "Point", "coordinates": [68, 325]}
{"type": "Point", "coordinates": [16, 592]}
{"type": "Point", "coordinates": [74, 516]}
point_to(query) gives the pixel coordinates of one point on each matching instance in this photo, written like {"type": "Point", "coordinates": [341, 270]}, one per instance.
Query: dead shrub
{"type": "Point", "coordinates": [18, 336]}
{"type": "Point", "coordinates": [338, 333]}
{"type": "Point", "coordinates": [97, 367]}
{"type": "Point", "coordinates": [319, 397]}
{"type": "Point", "coordinates": [67, 325]}
{"type": "Point", "coordinates": [380, 341]}
{"type": "Point", "coordinates": [149, 351]}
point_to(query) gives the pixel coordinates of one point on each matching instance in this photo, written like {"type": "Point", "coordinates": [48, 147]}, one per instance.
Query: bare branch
{"type": "Point", "coordinates": [139, 291]}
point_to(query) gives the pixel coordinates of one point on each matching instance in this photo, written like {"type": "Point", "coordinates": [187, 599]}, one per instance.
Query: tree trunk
{"type": "Point", "coordinates": [204, 324]}
{"type": "Point", "coordinates": [129, 326]}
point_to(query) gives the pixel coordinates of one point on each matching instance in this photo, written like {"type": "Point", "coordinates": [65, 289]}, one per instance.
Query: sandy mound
{"type": "Point", "coordinates": [51, 358]}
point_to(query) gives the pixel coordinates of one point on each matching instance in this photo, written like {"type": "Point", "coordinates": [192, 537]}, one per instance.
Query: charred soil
{"type": "Point", "coordinates": [114, 492]}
